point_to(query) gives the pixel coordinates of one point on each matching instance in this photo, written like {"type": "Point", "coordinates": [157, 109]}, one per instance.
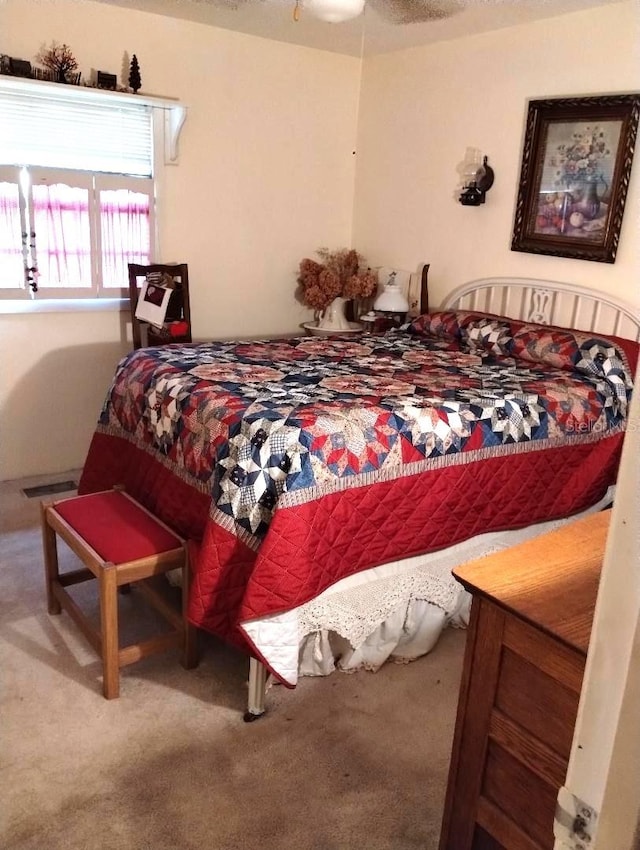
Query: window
{"type": "Point", "coordinates": [77, 190]}
{"type": "Point", "coordinates": [71, 234]}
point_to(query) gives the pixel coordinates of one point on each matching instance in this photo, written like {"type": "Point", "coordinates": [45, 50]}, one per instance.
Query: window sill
{"type": "Point", "coordinates": [64, 305]}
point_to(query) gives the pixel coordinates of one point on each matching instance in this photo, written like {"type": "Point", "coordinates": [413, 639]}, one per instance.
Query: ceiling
{"type": "Point", "coordinates": [366, 35]}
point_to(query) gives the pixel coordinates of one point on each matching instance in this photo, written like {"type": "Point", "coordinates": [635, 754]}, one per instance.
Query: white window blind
{"type": "Point", "coordinates": [80, 135]}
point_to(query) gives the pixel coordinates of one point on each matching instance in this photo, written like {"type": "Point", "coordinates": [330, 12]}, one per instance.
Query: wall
{"type": "Point", "coordinates": [266, 175]}
{"type": "Point", "coordinates": [421, 108]}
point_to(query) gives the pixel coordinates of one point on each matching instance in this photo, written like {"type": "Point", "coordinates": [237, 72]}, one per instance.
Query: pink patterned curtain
{"type": "Point", "coordinates": [124, 218]}
{"type": "Point", "coordinates": [11, 260]}
{"type": "Point", "coordinates": [63, 240]}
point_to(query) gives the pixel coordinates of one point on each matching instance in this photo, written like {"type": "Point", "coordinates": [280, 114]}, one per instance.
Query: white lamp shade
{"type": "Point", "coordinates": [335, 11]}
{"type": "Point", "coordinates": [391, 300]}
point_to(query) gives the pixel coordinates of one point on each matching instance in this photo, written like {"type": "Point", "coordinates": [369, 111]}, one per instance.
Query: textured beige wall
{"type": "Point", "coordinates": [266, 175]}
{"type": "Point", "coordinates": [55, 371]}
{"type": "Point", "coordinates": [420, 110]}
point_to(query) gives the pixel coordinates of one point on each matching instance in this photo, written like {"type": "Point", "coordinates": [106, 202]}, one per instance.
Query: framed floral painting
{"type": "Point", "coordinates": [576, 165]}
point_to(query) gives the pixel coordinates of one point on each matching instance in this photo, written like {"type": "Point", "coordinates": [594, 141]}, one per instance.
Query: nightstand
{"type": "Point", "coordinates": [527, 643]}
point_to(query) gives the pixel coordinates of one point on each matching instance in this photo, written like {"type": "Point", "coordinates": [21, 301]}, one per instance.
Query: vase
{"type": "Point", "coordinates": [587, 195]}
{"type": "Point", "coordinates": [590, 203]}
{"type": "Point", "coordinates": [334, 317]}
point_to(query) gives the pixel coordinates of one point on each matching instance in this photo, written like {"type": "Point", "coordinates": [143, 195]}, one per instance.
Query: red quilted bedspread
{"type": "Point", "coordinates": [292, 464]}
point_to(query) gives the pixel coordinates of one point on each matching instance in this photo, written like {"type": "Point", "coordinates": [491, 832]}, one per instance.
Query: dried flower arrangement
{"type": "Point", "coordinates": [338, 275]}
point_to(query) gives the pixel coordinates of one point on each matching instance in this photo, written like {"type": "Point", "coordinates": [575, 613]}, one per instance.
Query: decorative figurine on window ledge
{"type": "Point", "coordinates": [60, 61]}
{"type": "Point", "coordinates": [135, 80]}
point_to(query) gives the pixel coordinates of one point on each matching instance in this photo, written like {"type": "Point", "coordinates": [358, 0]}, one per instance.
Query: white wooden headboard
{"type": "Point", "coordinates": [549, 303]}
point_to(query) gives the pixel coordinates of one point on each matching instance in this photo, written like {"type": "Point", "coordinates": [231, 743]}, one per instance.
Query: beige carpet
{"type": "Point", "coordinates": [348, 761]}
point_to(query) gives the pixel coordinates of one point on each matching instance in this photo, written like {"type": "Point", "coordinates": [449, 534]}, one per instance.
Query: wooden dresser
{"type": "Point", "coordinates": [526, 649]}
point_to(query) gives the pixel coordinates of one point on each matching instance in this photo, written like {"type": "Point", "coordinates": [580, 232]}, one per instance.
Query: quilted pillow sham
{"type": "Point", "coordinates": [560, 348]}
{"type": "Point", "coordinates": [588, 353]}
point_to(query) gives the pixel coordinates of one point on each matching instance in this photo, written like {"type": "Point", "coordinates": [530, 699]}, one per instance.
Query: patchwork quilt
{"type": "Point", "coordinates": [291, 464]}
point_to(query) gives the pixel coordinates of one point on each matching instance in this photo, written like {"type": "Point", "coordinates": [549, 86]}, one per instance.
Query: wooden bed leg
{"type": "Point", "coordinates": [257, 691]}
{"type": "Point", "coordinates": [190, 642]}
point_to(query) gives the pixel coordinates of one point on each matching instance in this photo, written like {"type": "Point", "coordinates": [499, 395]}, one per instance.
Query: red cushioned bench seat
{"type": "Point", "coordinates": [120, 543]}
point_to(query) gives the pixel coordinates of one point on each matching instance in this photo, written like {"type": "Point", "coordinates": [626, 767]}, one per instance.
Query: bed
{"type": "Point", "coordinates": [328, 486]}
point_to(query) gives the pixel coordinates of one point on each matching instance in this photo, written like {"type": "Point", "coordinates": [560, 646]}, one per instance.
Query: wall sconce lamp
{"type": "Point", "coordinates": [478, 179]}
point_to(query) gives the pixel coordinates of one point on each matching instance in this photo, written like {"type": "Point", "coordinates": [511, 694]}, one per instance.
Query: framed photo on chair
{"type": "Point", "coordinates": [576, 165]}
{"type": "Point", "coordinates": [152, 303]}
{"type": "Point", "coordinates": [159, 298]}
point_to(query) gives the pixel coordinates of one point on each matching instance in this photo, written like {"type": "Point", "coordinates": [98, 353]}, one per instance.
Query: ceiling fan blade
{"type": "Point", "coordinates": [415, 11]}
{"type": "Point", "coordinates": [393, 11]}
{"type": "Point", "coordinates": [225, 4]}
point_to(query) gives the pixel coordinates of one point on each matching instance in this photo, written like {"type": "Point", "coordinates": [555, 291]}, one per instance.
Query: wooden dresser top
{"type": "Point", "coordinates": [551, 581]}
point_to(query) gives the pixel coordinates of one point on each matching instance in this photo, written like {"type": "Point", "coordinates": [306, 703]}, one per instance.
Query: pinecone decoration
{"type": "Point", "coordinates": [135, 80]}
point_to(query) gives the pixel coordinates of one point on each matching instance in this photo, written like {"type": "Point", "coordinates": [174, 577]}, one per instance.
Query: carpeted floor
{"type": "Point", "coordinates": [348, 761]}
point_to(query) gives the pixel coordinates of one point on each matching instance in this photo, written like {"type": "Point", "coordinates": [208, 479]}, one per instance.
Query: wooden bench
{"type": "Point", "coordinates": [120, 543]}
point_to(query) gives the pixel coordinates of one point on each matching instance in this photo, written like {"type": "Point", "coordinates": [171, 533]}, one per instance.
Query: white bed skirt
{"type": "Point", "coordinates": [411, 631]}
{"type": "Point", "coordinates": [394, 611]}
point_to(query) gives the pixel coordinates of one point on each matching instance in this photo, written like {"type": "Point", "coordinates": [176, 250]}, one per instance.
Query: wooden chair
{"type": "Point", "coordinates": [119, 543]}
{"type": "Point", "coordinates": [178, 310]}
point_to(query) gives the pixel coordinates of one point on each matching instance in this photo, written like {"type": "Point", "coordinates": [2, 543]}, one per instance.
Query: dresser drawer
{"type": "Point", "coordinates": [519, 798]}
{"type": "Point", "coordinates": [537, 703]}
{"type": "Point", "coordinates": [538, 687]}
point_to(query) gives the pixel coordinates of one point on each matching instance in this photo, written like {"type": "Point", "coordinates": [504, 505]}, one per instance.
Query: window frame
{"type": "Point", "coordinates": [93, 183]}
{"type": "Point", "coordinates": [167, 119]}
{"type": "Point", "coordinates": [11, 174]}
{"type": "Point", "coordinates": [75, 179]}
{"type": "Point", "coordinates": [134, 184]}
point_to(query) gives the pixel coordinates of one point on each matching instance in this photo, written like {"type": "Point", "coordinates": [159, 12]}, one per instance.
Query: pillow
{"type": "Point", "coordinates": [561, 348]}
{"type": "Point", "coordinates": [578, 351]}
{"type": "Point", "coordinates": [488, 333]}
{"type": "Point", "coordinates": [477, 330]}
{"type": "Point", "coordinates": [447, 323]}
{"type": "Point", "coordinates": [442, 325]}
